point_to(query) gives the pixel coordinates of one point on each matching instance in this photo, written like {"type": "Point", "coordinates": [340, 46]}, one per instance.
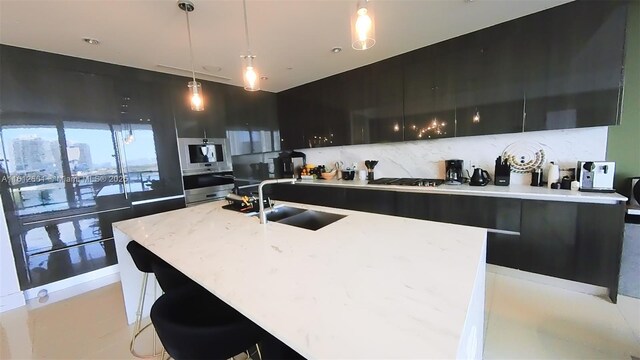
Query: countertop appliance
{"type": "Point", "coordinates": [480, 177]}
{"type": "Point", "coordinates": [502, 172]}
{"type": "Point", "coordinates": [407, 182]}
{"type": "Point", "coordinates": [453, 172]}
{"type": "Point", "coordinates": [199, 156]}
{"type": "Point", "coordinates": [596, 176]}
{"type": "Point", "coordinates": [634, 199]}
{"type": "Point", "coordinates": [289, 163]}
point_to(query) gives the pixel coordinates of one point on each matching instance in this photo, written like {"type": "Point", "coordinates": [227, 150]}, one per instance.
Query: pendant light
{"type": "Point", "coordinates": [195, 88]}
{"type": "Point", "coordinates": [363, 29]}
{"type": "Point", "coordinates": [249, 74]}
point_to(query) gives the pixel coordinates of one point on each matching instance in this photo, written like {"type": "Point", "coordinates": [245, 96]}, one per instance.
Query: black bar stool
{"type": "Point", "coordinates": [169, 277]}
{"type": "Point", "coordinates": [143, 259]}
{"type": "Point", "coordinates": [194, 324]}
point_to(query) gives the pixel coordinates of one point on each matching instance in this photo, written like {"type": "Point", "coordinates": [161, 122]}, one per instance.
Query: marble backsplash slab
{"type": "Point", "coordinates": [426, 158]}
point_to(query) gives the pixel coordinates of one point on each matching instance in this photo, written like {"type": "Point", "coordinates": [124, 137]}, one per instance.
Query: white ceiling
{"type": "Point", "coordinates": [284, 34]}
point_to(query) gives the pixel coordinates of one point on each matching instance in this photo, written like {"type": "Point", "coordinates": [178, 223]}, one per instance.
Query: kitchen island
{"type": "Point", "coordinates": [365, 286]}
{"type": "Point", "coordinates": [568, 235]}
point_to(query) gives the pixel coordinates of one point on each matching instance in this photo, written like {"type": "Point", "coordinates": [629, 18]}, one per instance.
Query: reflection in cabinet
{"type": "Point", "coordinates": [429, 92]}
{"type": "Point", "coordinates": [489, 83]}
{"type": "Point", "coordinates": [251, 121]}
{"type": "Point", "coordinates": [374, 102]}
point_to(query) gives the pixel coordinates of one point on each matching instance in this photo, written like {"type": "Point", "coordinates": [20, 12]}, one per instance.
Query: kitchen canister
{"type": "Point", "coordinates": [553, 174]}
{"type": "Point", "coordinates": [536, 177]}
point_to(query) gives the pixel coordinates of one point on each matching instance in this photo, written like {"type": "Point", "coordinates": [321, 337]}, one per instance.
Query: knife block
{"type": "Point", "coordinates": [502, 174]}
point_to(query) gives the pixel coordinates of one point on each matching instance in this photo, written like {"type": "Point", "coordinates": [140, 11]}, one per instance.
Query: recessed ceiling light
{"type": "Point", "coordinates": [212, 68]}
{"type": "Point", "coordinates": [264, 78]}
{"type": "Point", "coordinates": [336, 49]}
{"type": "Point", "coordinates": [91, 41]}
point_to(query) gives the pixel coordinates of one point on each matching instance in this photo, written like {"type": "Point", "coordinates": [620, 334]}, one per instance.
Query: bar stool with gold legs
{"type": "Point", "coordinates": [143, 259]}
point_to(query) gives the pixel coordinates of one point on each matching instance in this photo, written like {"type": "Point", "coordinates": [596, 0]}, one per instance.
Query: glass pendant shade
{"type": "Point", "coordinates": [363, 28]}
{"type": "Point", "coordinates": [195, 93]}
{"type": "Point", "coordinates": [250, 75]}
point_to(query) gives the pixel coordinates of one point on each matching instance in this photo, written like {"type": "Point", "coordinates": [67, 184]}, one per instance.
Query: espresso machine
{"type": "Point", "coordinates": [289, 163]}
{"type": "Point", "coordinates": [453, 172]}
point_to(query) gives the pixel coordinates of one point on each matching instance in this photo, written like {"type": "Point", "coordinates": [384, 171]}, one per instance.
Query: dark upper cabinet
{"type": "Point", "coordinates": [560, 68]}
{"type": "Point", "coordinates": [314, 115]}
{"type": "Point", "coordinates": [374, 97]}
{"type": "Point", "coordinates": [251, 122]}
{"type": "Point", "coordinates": [197, 124]}
{"type": "Point", "coordinates": [429, 93]}
{"type": "Point", "coordinates": [574, 59]}
{"type": "Point", "coordinates": [290, 109]}
{"type": "Point", "coordinates": [489, 81]}
{"type": "Point", "coordinates": [31, 90]}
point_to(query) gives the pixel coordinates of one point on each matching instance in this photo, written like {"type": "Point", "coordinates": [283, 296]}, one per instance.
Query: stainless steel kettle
{"type": "Point", "coordinates": [480, 177]}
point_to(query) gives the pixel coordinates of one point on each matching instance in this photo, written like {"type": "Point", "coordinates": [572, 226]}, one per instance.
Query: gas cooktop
{"type": "Point", "coordinates": [407, 181]}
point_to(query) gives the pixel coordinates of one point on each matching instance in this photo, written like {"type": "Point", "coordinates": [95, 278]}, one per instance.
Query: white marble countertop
{"type": "Point", "coordinates": [511, 191]}
{"type": "Point", "coordinates": [366, 286]}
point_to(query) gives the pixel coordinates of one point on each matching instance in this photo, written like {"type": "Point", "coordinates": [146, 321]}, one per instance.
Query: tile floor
{"type": "Point", "coordinates": [524, 320]}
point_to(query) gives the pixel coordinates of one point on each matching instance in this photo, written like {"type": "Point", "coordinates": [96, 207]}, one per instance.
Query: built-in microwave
{"type": "Point", "coordinates": [204, 155]}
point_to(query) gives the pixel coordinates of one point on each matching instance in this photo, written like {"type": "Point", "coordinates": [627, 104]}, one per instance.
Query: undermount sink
{"type": "Point", "coordinates": [306, 219]}
{"type": "Point", "coordinates": [283, 212]}
{"type": "Point", "coordinates": [311, 219]}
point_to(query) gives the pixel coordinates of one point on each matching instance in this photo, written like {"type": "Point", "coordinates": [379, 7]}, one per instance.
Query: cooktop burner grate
{"type": "Point", "coordinates": [407, 181]}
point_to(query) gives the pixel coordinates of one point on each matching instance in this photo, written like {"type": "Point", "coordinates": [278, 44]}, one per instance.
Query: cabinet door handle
{"type": "Point", "coordinates": [505, 232]}
{"type": "Point", "coordinates": [120, 164]}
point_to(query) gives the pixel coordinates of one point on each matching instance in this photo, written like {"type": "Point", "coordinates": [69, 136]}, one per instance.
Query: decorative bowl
{"type": "Point", "coordinates": [328, 175]}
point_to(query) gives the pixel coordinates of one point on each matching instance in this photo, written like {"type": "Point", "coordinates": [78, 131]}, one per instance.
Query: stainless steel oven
{"type": "Point", "coordinates": [199, 156]}
{"type": "Point", "coordinates": [208, 186]}
{"type": "Point", "coordinates": [206, 169]}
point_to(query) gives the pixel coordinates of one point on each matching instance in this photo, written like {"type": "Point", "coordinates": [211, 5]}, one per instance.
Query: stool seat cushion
{"type": "Point", "coordinates": [192, 323]}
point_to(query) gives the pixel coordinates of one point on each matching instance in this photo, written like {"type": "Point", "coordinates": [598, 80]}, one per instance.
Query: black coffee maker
{"type": "Point", "coordinates": [453, 172]}
{"type": "Point", "coordinates": [289, 163]}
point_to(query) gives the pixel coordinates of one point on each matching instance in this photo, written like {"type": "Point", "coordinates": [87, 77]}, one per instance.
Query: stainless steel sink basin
{"type": "Point", "coordinates": [283, 212]}
{"type": "Point", "coordinates": [311, 219]}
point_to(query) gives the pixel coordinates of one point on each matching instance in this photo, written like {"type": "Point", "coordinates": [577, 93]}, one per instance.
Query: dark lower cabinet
{"type": "Point", "coordinates": [315, 195]}
{"type": "Point", "coordinates": [574, 241]}
{"type": "Point", "coordinates": [504, 250]}
{"type": "Point", "coordinates": [423, 206]}
{"type": "Point", "coordinates": [548, 238]}
{"type": "Point", "coordinates": [600, 230]}
{"type": "Point", "coordinates": [374, 201]}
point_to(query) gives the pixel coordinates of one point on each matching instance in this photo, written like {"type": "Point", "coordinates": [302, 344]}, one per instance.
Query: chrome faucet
{"type": "Point", "coordinates": [263, 215]}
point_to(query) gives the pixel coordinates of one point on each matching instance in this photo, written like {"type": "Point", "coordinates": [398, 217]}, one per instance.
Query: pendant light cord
{"type": "Point", "coordinates": [246, 26]}
{"type": "Point", "coordinates": [193, 71]}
